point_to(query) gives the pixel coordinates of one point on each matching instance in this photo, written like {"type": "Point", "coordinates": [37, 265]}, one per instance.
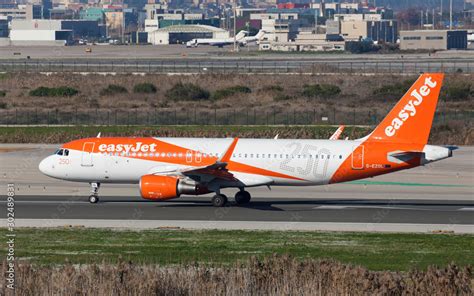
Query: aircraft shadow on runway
{"type": "Point", "coordinates": [308, 205]}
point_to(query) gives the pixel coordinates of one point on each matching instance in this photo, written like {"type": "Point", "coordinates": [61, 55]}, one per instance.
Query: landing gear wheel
{"type": "Point", "coordinates": [242, 197]}
{"type": "Point", "coordinates": [219, 200]}
{"type": "Point", "coordinates": [93, 199]}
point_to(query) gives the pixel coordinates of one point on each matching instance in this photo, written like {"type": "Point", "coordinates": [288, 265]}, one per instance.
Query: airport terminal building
{"type": "Point", "coordinates": [433, 39]}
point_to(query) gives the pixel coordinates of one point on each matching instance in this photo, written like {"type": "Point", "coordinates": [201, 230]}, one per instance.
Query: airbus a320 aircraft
{"type": "Point", "coordinates": [165, 168]}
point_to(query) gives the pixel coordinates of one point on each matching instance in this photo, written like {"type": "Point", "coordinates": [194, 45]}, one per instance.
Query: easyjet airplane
{"type": "Point", "coordinates": [166, 168]}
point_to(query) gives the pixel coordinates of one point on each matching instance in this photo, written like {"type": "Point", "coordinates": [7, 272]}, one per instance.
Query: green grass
{"type": "Point", "coordinates": [62, 134]}
{"type": "Point", "coordinates": [376, 251]}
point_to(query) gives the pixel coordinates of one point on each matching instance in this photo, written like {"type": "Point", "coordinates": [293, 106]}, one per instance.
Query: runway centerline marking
{"type": "Point", "coordinates": [363, 182]}
{"type": "Point", "coordinates": [387, 207]}
{"type": "Point", "coordinates": [334, 208]}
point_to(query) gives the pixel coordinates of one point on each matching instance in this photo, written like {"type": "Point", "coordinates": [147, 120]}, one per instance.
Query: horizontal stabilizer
{"type": "Point", "coordinates": [404, 156]}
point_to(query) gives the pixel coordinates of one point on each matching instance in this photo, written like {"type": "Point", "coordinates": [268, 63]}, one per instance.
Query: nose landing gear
{"type": "Point", "coordinates": [94, 197]}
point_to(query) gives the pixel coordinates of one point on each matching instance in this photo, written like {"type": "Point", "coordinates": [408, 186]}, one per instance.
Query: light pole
{"type": "Point", "coordinates": [450, 14]}
{"type": "Point", "coordinates": [235, 25]}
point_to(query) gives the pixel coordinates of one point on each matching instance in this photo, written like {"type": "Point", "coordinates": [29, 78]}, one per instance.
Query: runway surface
{"type": "Point", "coordinates": [176, 51]}
{"type": "Point", "coordinates": [260, 209]}
{"type": "Point", "coordinates": [177, 59]}
{"type": "Point", "coordinates": [438, 196]}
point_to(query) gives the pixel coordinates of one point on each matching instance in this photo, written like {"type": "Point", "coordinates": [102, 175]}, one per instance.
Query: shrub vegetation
{"type": "Point", "coordinates": [274, 88]}
{"type": "Point", "coordinates": [113, 89]}
{"type": "Point", "coordinates": [229, 91]}
{"type": "Point", "coordinates": [3, 93]}
{"type": "Point", "coordinates": [320, 90]}
{"type": "Point", "coordinates": [396, 89]}
{"type": "Point", "coordinates": [62, 91]}
{"type": "Point", "coordinates": [145, 88]}
{"type": "Point", "coordinates": [458, 91]}
{"type": "Point", "coordinates": [282, 97]}
{"type": "Point", "coordinates": [187, 92]}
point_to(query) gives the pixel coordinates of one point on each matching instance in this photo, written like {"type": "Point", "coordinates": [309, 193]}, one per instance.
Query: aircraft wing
{"type": "Point", "coordinates": [337, 133]}
{"type": "Point", "coordinates": [216, 170]}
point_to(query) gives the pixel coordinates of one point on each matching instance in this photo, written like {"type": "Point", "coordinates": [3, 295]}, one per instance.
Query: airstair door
{"type": "Point", "coordinates": [87, 149]}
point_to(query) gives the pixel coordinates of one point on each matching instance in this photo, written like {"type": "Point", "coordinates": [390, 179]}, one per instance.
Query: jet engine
{"type": "Point", "coordinates": [156, 187]}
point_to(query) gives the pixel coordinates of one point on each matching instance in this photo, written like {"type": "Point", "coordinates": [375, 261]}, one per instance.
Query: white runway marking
{"type": "Point", "coordinates": [334, 207]}
{"type": "Point", "coordinates": [382, 207]}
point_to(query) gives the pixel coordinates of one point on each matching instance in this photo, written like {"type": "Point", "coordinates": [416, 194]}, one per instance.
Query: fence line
{"type": "Point", "coordinates": [201, 117]}
{"type": "Point", "coordinates": [238, 66]}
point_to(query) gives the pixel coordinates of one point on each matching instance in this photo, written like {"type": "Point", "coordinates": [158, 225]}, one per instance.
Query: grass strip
{"type": "Point", "coordinates": [375, 251]}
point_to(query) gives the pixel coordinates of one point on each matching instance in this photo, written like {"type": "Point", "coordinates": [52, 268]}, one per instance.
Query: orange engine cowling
{"type": "Point", "coordinates": [158, 187]}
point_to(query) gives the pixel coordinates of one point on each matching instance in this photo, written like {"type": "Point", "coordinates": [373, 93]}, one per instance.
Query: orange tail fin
{"type": "Point", "coordinates": [411, 118]}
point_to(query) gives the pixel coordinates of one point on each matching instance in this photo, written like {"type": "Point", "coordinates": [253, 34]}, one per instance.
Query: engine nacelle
{"type": "Point", "coordinates": [157, 187]}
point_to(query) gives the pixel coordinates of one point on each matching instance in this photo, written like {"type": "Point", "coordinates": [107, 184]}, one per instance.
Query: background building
{"type": "Point", "coordinates": [3, 28]}
{"type": "Point", "coordinates": [52, 32]}
{"type": "Point", "coordinates": [433, 39]}
{"type": "Point", "coordinates": [355, 27]}
{"type": "Point", "coordinates": [183, 33]}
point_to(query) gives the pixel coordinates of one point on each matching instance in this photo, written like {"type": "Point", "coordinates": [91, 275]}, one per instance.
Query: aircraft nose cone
{"type": "Point", "coordinates": [45, 166]}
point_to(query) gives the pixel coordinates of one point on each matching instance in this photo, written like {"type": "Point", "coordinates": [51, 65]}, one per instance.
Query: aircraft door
{"type": "Point", "coordinates": [358, 157]}
{"type": "Point", "coordinates": [87, 149]}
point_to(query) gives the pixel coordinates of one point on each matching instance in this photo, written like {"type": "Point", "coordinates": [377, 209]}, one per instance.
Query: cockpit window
{"type": "Point", "coordinates": [61, 152]}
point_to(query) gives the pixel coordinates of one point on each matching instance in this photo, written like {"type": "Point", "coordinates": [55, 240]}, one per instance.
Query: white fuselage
{"type": "Point", "coordinates": [308, 162]}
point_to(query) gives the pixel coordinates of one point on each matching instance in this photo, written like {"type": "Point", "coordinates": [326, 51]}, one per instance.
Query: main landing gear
{"type": "Point", "coordinates": [94, 197]}
{"type": "Point", "coordinates": [242, 197]}
{"type": "Point", "coordinates": [220, 200]}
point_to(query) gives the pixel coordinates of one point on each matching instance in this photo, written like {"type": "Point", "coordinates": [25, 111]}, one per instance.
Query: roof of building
{"type": "Point", "coordinates": [190, 29]}
{"type": "Point", "coordinates": [430, 31]}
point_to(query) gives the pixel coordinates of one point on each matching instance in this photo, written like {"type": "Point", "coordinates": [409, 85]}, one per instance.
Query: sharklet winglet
{"type": "Point", "coordinates": [228, 153]}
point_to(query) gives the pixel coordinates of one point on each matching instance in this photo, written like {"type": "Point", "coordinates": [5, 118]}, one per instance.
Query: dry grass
{"type": "Point", "coordinates": [361, 102]}
{"type": "Point", "coordinates": [274, 275]}
{"type": "Point", "coordinates": [356, 91]}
